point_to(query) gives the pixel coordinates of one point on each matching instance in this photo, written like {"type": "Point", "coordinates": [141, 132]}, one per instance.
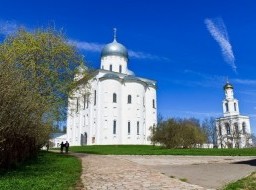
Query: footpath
{"type": "Point", "coordinates": [110, 172]}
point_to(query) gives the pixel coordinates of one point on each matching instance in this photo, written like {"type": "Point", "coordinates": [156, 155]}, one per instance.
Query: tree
{"type": "Point", "coordinates": [209, 128]}
{"type": "Point", "coordinates": [36, 75]}
{"type": "Point", "coordinates": [178, 133]}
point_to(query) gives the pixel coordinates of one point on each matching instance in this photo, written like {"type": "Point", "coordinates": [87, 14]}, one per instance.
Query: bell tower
{"type": "Point", "coordinates": [230, 104]}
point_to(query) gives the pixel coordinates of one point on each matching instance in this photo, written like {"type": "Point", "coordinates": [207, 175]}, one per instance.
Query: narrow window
{"type": "Point", "coordinates": [110, 67]}
{"type": "Point", "coordinates": [114, 127]}
{"type": "Point", "coordinates": [244, 128]}
{"type": "Point", "coordinates": [77, 104]}
{"type": "Point", "coordinates": [236, 128]}
{"type": "Point", "coordinates": [120, 68]}
{"type": "Point", "coordinates": [235, 106]}
{"type": "Point", "coordinates": [102, 67]}
{"type": "Point", "coordinates": [95, 97]}
{"type": "Point", "coordinates": [129, 127]}
{"type": "Point", "coordinates": [220, 132]}
{"type": "Point", "coordinates": [226, 104]}
{"type": "Point", "coordinates": [87, 101]}
{"type": "Point", "coordinates": [129, 99]}
{"type": "Point", "coordinates": [227, 128]}
{"type": "Point", "coordinates": [144, 101]}
{"type": "Point", "coordinates": [138, 127]}
{"type": "Point", "coordinates": [84, 101]}
{"type": "Point", "coordinates": [114, 98]}
{"type": "Point", "coordinates": [153, 103]}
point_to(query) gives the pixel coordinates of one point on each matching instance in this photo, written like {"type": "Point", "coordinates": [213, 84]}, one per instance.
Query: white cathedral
{"type": "Point", "coordinates": [120, 108]}
{"type": "Point", "coordinates": [232, 130]}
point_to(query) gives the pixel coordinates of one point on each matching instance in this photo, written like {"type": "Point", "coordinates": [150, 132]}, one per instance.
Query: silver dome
{"type": "Point", "coordinates": [114, 48]}
{"type": "Point", "coordinates": [227, 85]}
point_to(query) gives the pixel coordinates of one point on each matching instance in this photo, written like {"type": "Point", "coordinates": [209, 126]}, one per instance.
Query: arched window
{"type": "Point", "coordinates": [129, 99]}
{"type": "Point", "coordinates": [120, 68]}
{"type": "Point", "coordinates": [114, 127]}
{"type": "Point", "coordinates": [227, 128]}
{"type": "Point", "coordinates": [138, 127]}
{"type": "Point", "coordinates": [77, 104]}
{"type": "Point", "coordinates": [114, 98]}
{"type": "Point", "coordinates": [84, 101]}
{"type": "Point", "coordinates": [235, 106]}
{"type": "Point", "coordinates": [226, 104]}
{"type": "Point", "coordinates": [95, 97]}
{"type": "Point", "coordinates": [129, 127]}
{"type": "Point", "coordinates": [236, 128]}
{"type": "Point", "coordinates": [220, 132]}
{"type": "Point", "coordinates": [153, 102]}
{"type": "Point", "coordinates": [110, 67]}
{"type": "Point", "coordinates": [244, 128]}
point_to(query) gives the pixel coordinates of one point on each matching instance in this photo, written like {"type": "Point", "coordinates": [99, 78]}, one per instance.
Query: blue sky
{"type": "Point", "coordinates": [188, 47]}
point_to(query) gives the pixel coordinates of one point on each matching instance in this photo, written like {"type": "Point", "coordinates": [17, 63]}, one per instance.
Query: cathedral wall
{"type": "Point", "coordinates": [110, 112]}
{"type": "Point", "coordinates": [133, 112]}
{"type": "Point", "coordinates": [151, 110]}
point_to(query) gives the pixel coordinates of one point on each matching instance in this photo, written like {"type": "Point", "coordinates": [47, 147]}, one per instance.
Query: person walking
{"type": "Point", "coordinates": [61, 147]}
{"type": "Point", "coordinates": [66, 146]}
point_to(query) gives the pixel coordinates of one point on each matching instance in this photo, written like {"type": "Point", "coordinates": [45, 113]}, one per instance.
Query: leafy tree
{"type": "Point", "coordinates": [36, 75]}
{"type": "Point", "coordinates": [178, 133]}
{"type": "Point", "coordinates": [209, 128]}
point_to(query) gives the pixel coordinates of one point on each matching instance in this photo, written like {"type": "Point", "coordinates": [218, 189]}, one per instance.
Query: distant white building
{"type": "Point", "coordinates": [233, 130]}
{"type": "Point", "coordinates": [120, 107]}
{"type": "Point", "coordinates": [57, 138]}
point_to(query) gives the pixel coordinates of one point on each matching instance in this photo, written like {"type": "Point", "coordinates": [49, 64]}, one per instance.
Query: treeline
{"type": "Point", "coordinates": [36, 74]}
{"type": "Point", "coordinates": [183, 133]}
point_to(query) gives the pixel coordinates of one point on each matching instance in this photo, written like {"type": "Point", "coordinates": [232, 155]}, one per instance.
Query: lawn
{"type": "Point", "coordinates": [156, 150]}
{"type": "Point", "coordinates": [248, 183]}
{"type": "Point", "coordinates": [49, 171]}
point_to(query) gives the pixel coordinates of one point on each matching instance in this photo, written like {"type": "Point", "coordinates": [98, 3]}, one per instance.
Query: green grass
{"type": "Point", "coordinates": [247, 183]}
{"type": "Point", "coordinates": [156, 150]}
{"type": "Point", "coordinates": [49, 171]}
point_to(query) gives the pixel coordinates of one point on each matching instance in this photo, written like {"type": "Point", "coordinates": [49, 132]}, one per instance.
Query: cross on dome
{"type": "Point", "coordinates": [114, 29]}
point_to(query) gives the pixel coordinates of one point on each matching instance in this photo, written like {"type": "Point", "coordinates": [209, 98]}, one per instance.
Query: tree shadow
{"type": "Point", "coordinates": [247, 162]}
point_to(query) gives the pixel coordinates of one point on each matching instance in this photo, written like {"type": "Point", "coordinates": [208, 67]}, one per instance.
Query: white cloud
{"type": "Point", "coordinates": [87, 46]}
{"type": "Point", "coordinates": [96, 47]}
{"type": "Point", "coordinates": [245, 81]}
{"type": "Point", "coordinates": [218, 31]}
{"type": "Point", "coordinates": [141, 55]}
{"type": "Point", "coordinates": [10, 27]}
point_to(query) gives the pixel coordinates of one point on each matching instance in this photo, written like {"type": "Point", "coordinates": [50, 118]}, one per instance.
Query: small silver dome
{"type": "Point", "coordinates": [114, 48]}
{"type": "Point", "coordinates": [227, 85]}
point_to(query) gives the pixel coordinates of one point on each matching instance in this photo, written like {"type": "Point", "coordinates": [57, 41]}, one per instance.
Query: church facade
{"type": "Point", "coordinates": [232, 130]}
{"type": "Point", "coordinates": [119, 108]}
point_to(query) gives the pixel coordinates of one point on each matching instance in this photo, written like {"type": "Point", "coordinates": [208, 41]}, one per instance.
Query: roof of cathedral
{"type": "Point", "coordinates": [114, 48]}
{"type": "Point", "coordinates": [110, 76]}
{"type": "Point", "coordinates": [228, 85]}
